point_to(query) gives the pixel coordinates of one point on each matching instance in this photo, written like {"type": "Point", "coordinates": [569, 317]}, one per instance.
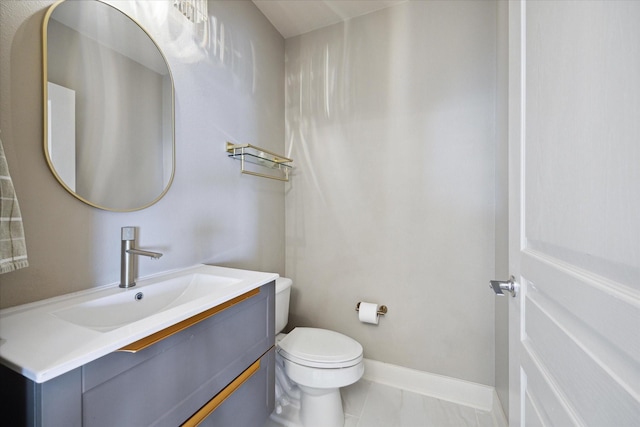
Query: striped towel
{"type": "Point", "coordinates": [13, 250]}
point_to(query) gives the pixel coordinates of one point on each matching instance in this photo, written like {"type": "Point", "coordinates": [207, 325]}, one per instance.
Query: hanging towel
{"type": "Point", "coordinates": [13, 250]}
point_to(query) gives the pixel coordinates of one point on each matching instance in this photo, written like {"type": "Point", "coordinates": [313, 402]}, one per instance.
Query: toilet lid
{"type": "Point", "coordinates": [320, 348]}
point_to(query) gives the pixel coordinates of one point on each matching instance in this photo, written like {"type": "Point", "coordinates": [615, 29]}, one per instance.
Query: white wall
{"type": "Point", "coordinates": [391, 123]}
{"type": "Point", "coordinates": [228, 85]}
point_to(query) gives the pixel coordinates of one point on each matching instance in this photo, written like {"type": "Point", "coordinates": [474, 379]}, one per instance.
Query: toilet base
{"type": "Point", "coordinates": [300, 406]}
{"type": "Point", "coordinates": [321, 407]}
{"type": "Point", "coordinates": [290, 415]}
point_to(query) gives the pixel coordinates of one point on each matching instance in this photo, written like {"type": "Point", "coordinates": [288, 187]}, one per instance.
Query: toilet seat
{"type": "Point", "coordinates": [320, 348]}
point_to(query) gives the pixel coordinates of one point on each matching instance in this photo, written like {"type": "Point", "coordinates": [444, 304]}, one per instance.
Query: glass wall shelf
{"type": "Point", "coordinates": [250, 154]}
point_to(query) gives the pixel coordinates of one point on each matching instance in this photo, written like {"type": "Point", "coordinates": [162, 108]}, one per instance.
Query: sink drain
{"type": "Point", "coordinates": [139, 296]}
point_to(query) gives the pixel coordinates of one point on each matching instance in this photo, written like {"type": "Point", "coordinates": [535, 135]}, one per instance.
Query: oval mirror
{"type": "Point", "coordinates": [108, 107]}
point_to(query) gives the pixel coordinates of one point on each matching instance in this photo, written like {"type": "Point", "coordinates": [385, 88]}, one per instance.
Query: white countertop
{"type": "Point", "coordinates": [40, 345]}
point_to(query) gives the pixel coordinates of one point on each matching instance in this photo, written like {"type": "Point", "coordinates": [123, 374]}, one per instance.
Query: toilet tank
{"type": "Point", "coordinates": [283, 292]}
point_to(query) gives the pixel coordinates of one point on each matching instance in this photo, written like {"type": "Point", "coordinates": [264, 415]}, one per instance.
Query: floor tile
{"type": "Point", "coordinates": [443, 413]}
{"type": "Point", "coordinates": [413, 411]}
{"type": "Point", "coordinates": [485, 419]}
{"type": "Point", "coordinates": [382, 407]}
{"type": "Point", "coordinates": [370, 404]}
{"type": "Point", "coordinates": [354, 396]}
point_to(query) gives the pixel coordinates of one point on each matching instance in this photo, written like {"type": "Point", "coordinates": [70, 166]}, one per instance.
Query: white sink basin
{"type": "Point", "coordinates": [47, 338]}
{"type": "Point", "coordinates": [110, 312]}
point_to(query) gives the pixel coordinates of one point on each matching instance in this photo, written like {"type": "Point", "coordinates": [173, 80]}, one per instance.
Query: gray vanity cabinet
{"type": "Point", "coordinates": [221, 369]}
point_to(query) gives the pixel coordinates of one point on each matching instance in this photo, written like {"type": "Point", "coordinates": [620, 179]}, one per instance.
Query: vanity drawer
{"type": "Point", "coordinates": [247, 405]}
{"type": "Point", "coordinates": [164, 384]}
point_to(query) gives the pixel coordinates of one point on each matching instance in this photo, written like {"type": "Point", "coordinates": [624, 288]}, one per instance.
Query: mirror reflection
{"type": "Point", "coordinates": [109, 136]}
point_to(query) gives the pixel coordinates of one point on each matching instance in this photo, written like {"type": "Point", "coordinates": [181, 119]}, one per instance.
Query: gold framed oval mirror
{"type": "Point", "coordinates": [108, 107]}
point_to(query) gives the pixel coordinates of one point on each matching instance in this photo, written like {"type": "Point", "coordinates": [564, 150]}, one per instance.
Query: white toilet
{"type": "Point", "coordinates": [311, 366]}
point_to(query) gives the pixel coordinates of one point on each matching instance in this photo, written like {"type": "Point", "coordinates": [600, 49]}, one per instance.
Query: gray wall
{"type": "Point", "coordinates": [391, 121]}
{"type": "Point", "coordinates": [229, 86]}
{"type": "Point", "coordinates": [502, 206]}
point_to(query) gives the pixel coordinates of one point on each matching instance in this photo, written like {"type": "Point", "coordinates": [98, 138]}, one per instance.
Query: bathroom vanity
{"type": "Point", "coordinates": [215, 366]}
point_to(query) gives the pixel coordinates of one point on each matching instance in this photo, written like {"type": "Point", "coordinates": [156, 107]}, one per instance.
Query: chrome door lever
{"type": "Point", "coordinates": [499, 286]}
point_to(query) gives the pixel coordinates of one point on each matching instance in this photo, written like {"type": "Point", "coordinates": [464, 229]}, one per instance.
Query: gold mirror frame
{"type": "Point", "coordinates": [45, 63]}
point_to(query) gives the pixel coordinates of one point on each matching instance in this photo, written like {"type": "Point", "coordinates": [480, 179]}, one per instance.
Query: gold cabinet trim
{"type": "Point", "coordinates": [217, 400]}
{"type": "Point", "coordinates": [148, 341]}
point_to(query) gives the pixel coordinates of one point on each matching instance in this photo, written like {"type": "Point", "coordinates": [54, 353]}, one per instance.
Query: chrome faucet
{"type": "Point", "coordinates": [127, 257]}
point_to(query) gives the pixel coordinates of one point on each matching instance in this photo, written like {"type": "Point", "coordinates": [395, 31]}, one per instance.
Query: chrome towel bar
{"type": "Point", "coordinates": [248, 153]}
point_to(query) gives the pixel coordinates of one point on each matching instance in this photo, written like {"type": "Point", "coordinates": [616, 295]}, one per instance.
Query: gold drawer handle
{"type": "Point", "coordinates": [150, 340]}
{"type": "Point", "coordinates": [217, 400]}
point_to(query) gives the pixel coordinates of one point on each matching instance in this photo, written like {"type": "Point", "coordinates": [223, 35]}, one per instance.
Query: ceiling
{"type": "Point", "coordinates": [295, 17]}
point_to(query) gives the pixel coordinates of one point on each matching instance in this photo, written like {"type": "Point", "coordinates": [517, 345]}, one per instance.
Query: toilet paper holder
{"type": "Point", "coordinates": [382, 310]}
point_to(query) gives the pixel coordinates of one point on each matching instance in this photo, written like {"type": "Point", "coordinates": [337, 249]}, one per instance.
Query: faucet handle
{"type": "Point", "coordinates": [128, 233]}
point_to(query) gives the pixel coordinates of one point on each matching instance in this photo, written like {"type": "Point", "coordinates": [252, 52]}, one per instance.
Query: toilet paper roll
{"type": "Point", "coordinates": [368, 313]}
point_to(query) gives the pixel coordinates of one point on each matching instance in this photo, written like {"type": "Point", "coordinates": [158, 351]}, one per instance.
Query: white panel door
{"type": "Point", "coordinates": [574, 141]}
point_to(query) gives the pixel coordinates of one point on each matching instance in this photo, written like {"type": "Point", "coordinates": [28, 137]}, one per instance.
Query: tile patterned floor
{"type": "Point", "coordinates": [370, 404]}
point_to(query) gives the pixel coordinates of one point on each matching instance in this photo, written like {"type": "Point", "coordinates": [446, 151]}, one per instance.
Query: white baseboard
{"type": "Point", "coordinates": [462, 392]}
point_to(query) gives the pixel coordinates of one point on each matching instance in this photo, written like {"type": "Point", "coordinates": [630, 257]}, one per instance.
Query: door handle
{"type": "Point", "coordinates": [499, 286]}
